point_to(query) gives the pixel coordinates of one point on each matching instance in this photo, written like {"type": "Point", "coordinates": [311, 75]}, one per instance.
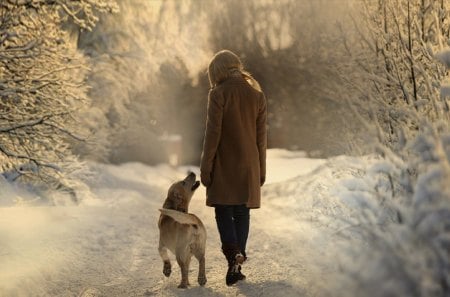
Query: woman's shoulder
{"type": "Point", "coordinates": [238, 82]}
{"type": "Point", "coordinates": [221, 88]}
{"type": "Point", "coordinates": [215, 90]}
{"type": "Point", "coordinates": [233, 84]}
{"type": "Point", "coordinates": [216, 93]}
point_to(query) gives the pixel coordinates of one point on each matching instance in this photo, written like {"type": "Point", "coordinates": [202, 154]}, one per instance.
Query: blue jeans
{"type": "Point", "coordinates": [233, 222]}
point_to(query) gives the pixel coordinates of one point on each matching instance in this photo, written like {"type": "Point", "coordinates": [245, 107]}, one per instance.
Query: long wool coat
{"type": "Point", "coordinates": [233, 164]}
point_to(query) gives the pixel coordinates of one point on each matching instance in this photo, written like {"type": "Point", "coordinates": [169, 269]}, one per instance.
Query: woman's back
{"type": "Point", "coordinates": [234, 109]}
{"type": "Point", "coordinates": [241, 107]}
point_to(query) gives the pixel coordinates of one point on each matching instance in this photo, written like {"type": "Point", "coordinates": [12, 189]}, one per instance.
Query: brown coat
{"type": "Point", "coordinates": [233, 165]}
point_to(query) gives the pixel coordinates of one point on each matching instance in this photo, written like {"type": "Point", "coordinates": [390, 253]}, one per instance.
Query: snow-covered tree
{"type": "Point", "coordinates": [146, 62]}
{"type": "Point", "coordinates": [398, 237]}
{"type": "Point", "coordinates": [42, 86]}
{"type": "Point", "coordinates": [394, 76]}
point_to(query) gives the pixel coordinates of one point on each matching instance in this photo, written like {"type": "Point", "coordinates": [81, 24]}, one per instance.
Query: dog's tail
{"type": "Point", "coordinates": [180, 217]}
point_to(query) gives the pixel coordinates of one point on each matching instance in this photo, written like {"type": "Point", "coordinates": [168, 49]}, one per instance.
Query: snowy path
{"type": "Point", "coordinates": [108, 247]}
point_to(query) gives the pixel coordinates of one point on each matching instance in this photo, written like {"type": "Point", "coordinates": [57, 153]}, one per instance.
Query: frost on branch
{"type": "Point", "coordinates": [394, 76]}
{"type": "Point", "coordinates": [42, 87]}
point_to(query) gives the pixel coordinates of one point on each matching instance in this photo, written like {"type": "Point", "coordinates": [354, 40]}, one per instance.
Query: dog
{"type": "Point", "coordinates": [181, 232]}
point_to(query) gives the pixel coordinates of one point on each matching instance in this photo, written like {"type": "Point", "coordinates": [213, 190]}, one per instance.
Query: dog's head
{"type": "Point", "coordinates": [180, 193]}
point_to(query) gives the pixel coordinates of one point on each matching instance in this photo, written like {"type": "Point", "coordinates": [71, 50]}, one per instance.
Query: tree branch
{"type": "Point", "coordinates": [30, 123]}
{"type": "Point", "coordinates": [9, 154]}
{"type": "Point", "coordinates": [21, 48]}
{"type": "Point", "coordinates": [65, 131]}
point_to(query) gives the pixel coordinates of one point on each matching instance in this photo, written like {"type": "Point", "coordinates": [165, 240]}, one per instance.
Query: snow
{"type": "Point", "coordinates": [445, 91]}
{"type": "Point", "coordinates": [107, 245]}
{"type": "Point", "coordinates": [444, 57]}
{"type": "Point", "coordinates": [283, 165]}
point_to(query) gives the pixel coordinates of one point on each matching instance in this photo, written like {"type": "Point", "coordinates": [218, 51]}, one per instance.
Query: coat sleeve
{"type": "Point", "coordinates": [261, 137]}
{"type": "Point", "coordinates": [212, 136]}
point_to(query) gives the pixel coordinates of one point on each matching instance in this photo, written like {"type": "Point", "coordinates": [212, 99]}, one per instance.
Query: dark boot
{"type": "Point", "coordinates": [234, 259]}
{"type": "Point", "coordinates": [241, 276]}
{"type": "Point", "coordinates": [234, 273]}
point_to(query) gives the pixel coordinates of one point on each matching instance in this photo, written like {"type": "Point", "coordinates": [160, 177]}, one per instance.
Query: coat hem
{"type": "Point", "coordinates": [213, 205]}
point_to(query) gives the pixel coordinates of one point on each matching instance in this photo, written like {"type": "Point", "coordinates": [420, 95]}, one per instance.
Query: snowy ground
{"type": "Point", "coordinates": [107, 246]}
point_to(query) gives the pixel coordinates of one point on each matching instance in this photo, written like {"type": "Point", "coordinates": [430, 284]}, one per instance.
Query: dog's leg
{"type": "Point", "coordinates": [201, 268]}
{"type": "Point", "coordinates": [167, 268]}
{"type": "Point", "coordinates": [188, 264]}
{"type": "Point", "coordinates": [183, 259]}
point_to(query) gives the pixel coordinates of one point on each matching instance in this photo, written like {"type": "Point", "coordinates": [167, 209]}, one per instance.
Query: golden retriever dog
{"type": "Point", "coordinates": [181, 232]}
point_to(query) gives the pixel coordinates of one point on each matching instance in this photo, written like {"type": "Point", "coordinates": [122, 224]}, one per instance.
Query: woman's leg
{"type": "Point", "coordinates": [242, 225]}
{"type": "Point", "coordinates": [227, 231]}
{"type": "Point", "coordinates": [230, 246]}
{"type": "Point", "coordinates": [225, 225]}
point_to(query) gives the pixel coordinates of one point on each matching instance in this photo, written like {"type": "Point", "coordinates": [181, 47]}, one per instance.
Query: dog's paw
{"type": "Point", "coordinates": [167, 269]}
{"type": "Point", "coordinates": [202, 280]}
{"type": "Point", "coordinates": [182, 286]}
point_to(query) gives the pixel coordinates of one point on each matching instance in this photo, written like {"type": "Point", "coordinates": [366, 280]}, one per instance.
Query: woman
{"type": "Point", "coordinates": [233, 165]}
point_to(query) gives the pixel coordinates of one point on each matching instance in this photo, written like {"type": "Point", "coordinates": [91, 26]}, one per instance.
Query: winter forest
{"type": "Point", "coordinates": [103, 107]}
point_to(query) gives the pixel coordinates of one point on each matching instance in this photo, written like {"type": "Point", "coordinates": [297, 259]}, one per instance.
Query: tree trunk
{"type": "Point", "coordinates": [410, 45]}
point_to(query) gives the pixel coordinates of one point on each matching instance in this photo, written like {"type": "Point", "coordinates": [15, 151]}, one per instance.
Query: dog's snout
{"type": "Point", "coordinates": [191, 180]}
{"type": "Point", "coordinates": [195, 186]}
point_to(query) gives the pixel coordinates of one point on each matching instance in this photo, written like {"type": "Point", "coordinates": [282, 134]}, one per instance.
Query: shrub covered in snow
{"type": "Point", "coordinates": [396, 222]}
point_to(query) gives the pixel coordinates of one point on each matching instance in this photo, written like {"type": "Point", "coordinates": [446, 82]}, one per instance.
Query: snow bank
{"type": "Point", "coordinates": [108, 242]}
{"type": "Point", "coordinates": [325, 228]}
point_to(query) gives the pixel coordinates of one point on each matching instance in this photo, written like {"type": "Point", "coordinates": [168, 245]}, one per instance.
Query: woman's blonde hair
{"type": "Point", "coordinates": [224, 64]}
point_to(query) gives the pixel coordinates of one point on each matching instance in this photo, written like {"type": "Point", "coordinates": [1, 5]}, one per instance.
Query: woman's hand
{"type": "Point", "coordinates": [205, 178]}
